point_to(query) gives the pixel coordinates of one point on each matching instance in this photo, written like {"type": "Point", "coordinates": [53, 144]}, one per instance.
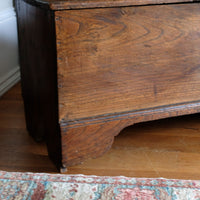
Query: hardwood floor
{"type": "Point", "coordinates": [168, 148]}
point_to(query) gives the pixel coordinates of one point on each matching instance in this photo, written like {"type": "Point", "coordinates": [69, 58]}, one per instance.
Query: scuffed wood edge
{"type": "Point", "coordinates": [72, 4]}
{"type": "Point", "coordinates": [138, 115]}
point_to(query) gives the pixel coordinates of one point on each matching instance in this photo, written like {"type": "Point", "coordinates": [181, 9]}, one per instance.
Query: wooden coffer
{"type": "Point", "coordinates": [90, 68]}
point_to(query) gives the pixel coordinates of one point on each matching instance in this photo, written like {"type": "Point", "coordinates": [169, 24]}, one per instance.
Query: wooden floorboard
{"type": "Point", "coordinates": [168, 148]}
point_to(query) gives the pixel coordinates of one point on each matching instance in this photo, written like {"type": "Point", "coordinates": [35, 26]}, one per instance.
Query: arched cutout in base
{"type": "Point", "coordinates": [91, 138]}
{"type": "Point", "coordinates": [89, 141]}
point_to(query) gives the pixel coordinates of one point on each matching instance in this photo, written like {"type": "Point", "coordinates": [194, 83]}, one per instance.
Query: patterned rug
{"type": "Point", "coordinates": [38, 186]}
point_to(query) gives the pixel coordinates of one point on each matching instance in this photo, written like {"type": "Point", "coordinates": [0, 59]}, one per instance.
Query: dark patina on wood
{"type": "Point", "coordinates": [37, 49]}
{"type": "Point", "coordinates": [100, 70]}
{"type": "Point", "coordinates": [81, 4]}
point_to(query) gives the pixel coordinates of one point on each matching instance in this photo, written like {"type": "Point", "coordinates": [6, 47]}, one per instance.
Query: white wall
{"type": "Point", "coordinates": [9, 67]}
{"type": "Point", "coordinates": [4, 4]}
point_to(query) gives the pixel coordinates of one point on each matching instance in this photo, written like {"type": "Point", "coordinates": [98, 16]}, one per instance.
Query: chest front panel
{"type": "Point", "coordinates": [113, 60]}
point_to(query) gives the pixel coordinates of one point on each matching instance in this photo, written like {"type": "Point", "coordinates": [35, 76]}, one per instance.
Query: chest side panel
{"type": "Point", "coordinates": [115, 60]}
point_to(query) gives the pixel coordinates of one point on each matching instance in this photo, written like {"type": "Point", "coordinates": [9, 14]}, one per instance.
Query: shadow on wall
{"type": "Point", "coordinates": [9, 67]}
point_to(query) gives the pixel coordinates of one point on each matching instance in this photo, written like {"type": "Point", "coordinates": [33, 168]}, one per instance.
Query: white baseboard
{"type": "Point", "coordinates": [9, 67]}
{"type": "Point", "coordinates": [9, 80]}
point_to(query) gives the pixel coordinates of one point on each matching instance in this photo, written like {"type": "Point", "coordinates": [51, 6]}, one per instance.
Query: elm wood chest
{"type": "Point", "coordinates": [90, 68]}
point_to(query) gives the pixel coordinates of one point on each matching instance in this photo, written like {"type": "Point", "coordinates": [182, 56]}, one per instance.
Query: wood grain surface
{"type": "Point", "coordinates": [92, 138]}
{"type": "Point", "coordinates": [81, 4]}
{"type": "Point", "coordinates": [91, 141]}
{"type": "Point", "coordinates": [106, 69]}
{"type": "Point", "coordinates": [166, 148]}
{"type": "Point", "coordinates": [38, 64]}
{"type": "Point", "coordinates": [125, 59]}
